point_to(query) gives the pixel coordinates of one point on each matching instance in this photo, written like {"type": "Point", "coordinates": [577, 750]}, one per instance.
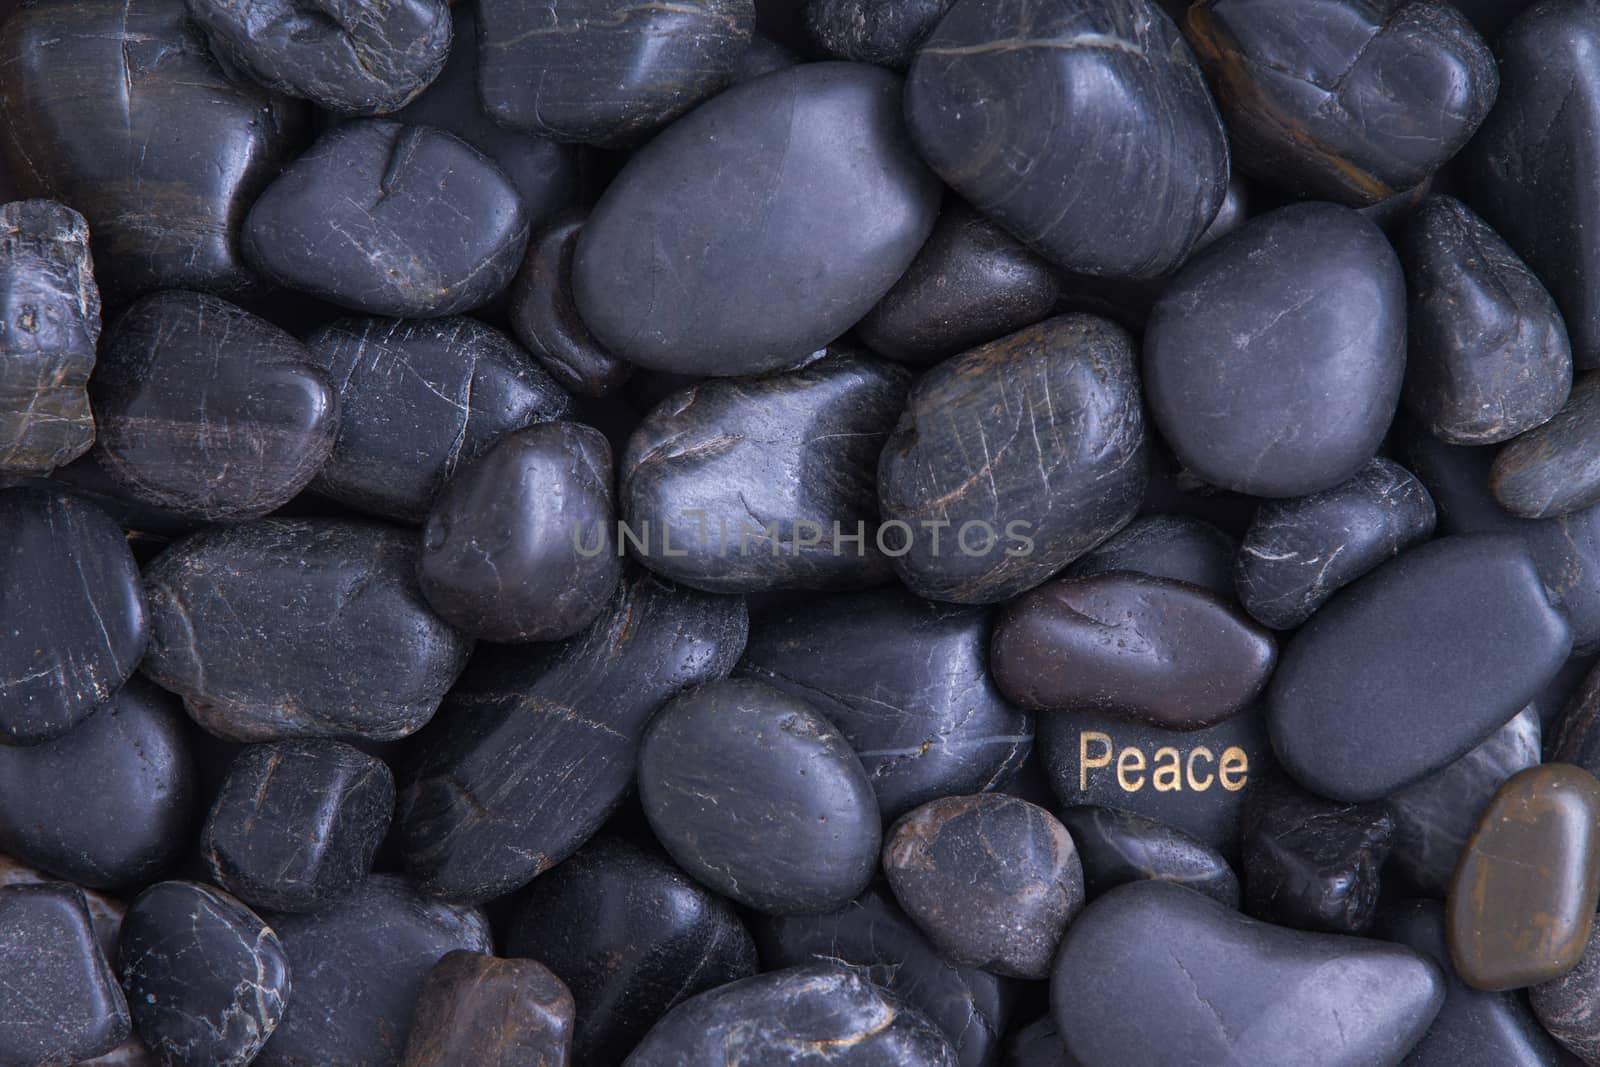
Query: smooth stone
{"type": "Point", "coordinates": [1299, 552]}
{"type": "Point", "coordinates": [489, 1012]}
{"type": "Point", "coordinates": [1550, 469]}
{"type": "Point", "coordinates": [970, 284]}
{"type": "Point", "coordinates": [1474, 1028]}
{"type": "Point", "coordinates": [1565, 1006]}
{"type": "Point", "coordinates": [390, 219]}
{"type": "Point", "coordinates": [75, 611]}
{"type": "Point", "coordinates": [296, 824]}
{"type": "Point", "coordinates": [1345, 100]}
{"type": "Point", "coordinates": [358, 969]}
{"type": "Point", "coordinates": [105, 912]}
{"type": "Point", "coordinates": [1434, 817]}
{"type": "Point", "coordinates": [1055, 411]}
{"type": "Point", "coordinates": [544, 315]}
{"type": "Point", "coordinates": [751, 485]}
{"type": "Point", "coordinates": [1178, 547]}
{"type": "Point", "coordinates": [971, 1007]}
{"type": "Point", "coordinates": [591, 71]}
{"type": "Point", "coordinates": [869, 31]}
{"type": "Point", "coordinates": [208, 412]}
{"type": "Point", "coordinates": [1311, 863]}
{"type": "Point", "coordinates": [632, 936]}
{"type": "Point", "coordinates": [1117, 847]}
{"type": "Point", "coordinates": [759, 228]}
{"type": "Point", "coordinates": [537, 747]}
{"type": "Point", "coordinates": [791, 1018]}
{"type": "Point", "coordinates": [364, 59]}
{"type": "Point", "coordinates": [1523, 898]}
{"type": "Point", "coordinates": [418, 400]}
{"type": "Point", "coordinates": [50, 306]}
{"type": "Point", "coordinates": [518, 546]}
{"type": "Point", "coordinates": [119, 110]}
{"type": "Point", "coordinates": [340, 642]}
{"type": "Point", "coordinates": [113, 802]}
{"type": "Point", "coordinates": [757, 795]}
{"type": "Point", "coordinates": [1527, 167]}
{"type": "Point", "coordinates": [206, 979]}
{"type": "Point", "coordinates": [1214, 986]}
{"type": "Point", "coordinates": [1194, 780]}
{"type": "Point", "coordinates": [1128, 645]}
{"type": "Point", "coordinates": [63, 1002]}
{"type": "Point", "coordinates": [1488, 357]}
{"type": "Point", "coordinates": [763, 55]}
{"type": "Point", "coordinates": [906, 681]}
{"type": "Point", "coordinates": [1038, 1045]}
{"type": "Point", "coordinates": [1408, 669]}
{"type": "Point", "coordinates": [991, 879]}
{"type": "Point", "coordinates": [1288, 338]}
{"type": "Point", "coordinates": [1001, 124]}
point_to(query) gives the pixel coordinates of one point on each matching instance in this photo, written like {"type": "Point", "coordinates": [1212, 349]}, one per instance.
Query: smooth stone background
{"type": "Point", "coordinates": [1551, 469]}
{"type": "Point", "coordinates": [1117, 847]}
{"type": "Point", "coordinates": [759, 228]}
{"type": "Point", "coordinates": [490, 1012]}
{"type": "Point", "coordinates": [544, 314]}
{"type": "Point", "coordinates": [1180, 547]}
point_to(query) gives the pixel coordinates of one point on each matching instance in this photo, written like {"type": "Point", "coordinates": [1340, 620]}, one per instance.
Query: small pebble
{"type": "Point", "coordinates": [1117, 847]}
{"type": "Point", "coordinates": [489, 1012]}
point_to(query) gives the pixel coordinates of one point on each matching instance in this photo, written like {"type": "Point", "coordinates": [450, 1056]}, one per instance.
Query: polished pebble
{"type": "Point", "coordinates": [1565, 1006]}
{"type": "Point", "coordinates": [296, 824]}
{"type": "Point", "coordinates": [50, 305]}
{"type": "Point", "coordinates": [1295, 359]}
{"type": "Point", "coordinates": [545, 318]}
{"type": "Point", "coordinates": [490, 1012]}
{"type": "Point", "coordinates": [866, 31]}
{"type": "Point", "coordinates": [1523, 898]}
{"type": "Point", "coordinates": [1551, 469]}
{"type": "Point", "coordinates": [340, 641]}
{"type": "Point", "coordinates": [206, 978]}
{"type": "Point", "coordinates": [207, 411]}
{"type": "Point", "coordinates": [1117, 847]}
{"type": "Point", "coordinates": [1174, 546]}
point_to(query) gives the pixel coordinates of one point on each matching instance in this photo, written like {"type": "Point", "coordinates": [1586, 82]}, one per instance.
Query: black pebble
{"type": "Point", "coordinates": [1551, 469]}
{"type": "Point", "coordinates": [1565, 1006]}
{"type": "Point", "coordinates": [870, 31]}
{"type": "Point", "coordinates": [1117, 847]}
{"type": "Point", "coordinates": [1179, 547]}
{"type": "Point", "coordinates": [490, 1012]}
{"type": "Point", "coordinates": [545, 317]}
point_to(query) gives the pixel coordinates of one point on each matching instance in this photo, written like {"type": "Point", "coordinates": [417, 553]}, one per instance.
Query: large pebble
{"type": "Point", "coordinates": [1117, 847]}
{"type": "Point", "coordinates": [1014, 459]}
{"type": "Point", "coordinates": [759, 796]}
{"type": "Point", "coordinates": [281, 628]}
{"type": "Point", "coordinates": [545, 316]}
{"type": "Point", "coordinates": [759, 228]}
{"type": "Point", "coordinates": [1180, 547]}
{"type": "Point", "coordinates": [1273, 360]}
{"type": "Point", "coordinates": [1409, 668]}
{"type": "Point", "coordinates": [390, 219]}
{"type": "Point", "coordinates": [1551, 469]}
{"type": "Point", "coordinates": [1002, 95]}
{"type": "Point", "coordinates": [490, 1012]}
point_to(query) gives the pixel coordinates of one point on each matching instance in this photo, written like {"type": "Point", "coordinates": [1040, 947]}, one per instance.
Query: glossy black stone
{"type": "Point", "coordinates": [971, 283]}
{"type": "Point", "coordinates": [105, 912]}
{"type": "Point", "coordinates": [602, 72]}
{"type": "Point", "coordinates": [113, 802]}
{"type": "Point", "coordinates": [545, 317]}
{"type": "Point", "coordinates": [1312, 863]}
{"type": "Point", "coordinates": [358, 968]}
{"type": "Point", "coordinates": [1346, 100]}
{"type": "Point", "coordinates": [119, 110]}
{"type": "Point", "coordinates": [1527, 168]}
{"type": "Point", "coordinates": [906, 681]}
{"type": "Point", "coordinates": [1474, 1028]}
{"type": "Point", "coordinates": [1565, 1006]}
{"type": "Point", "coordinates": [207, 411]}
{"type": "Point", "coordinates": [51, 309]}
{"type": "Point", "coordinates": [632, 936]}
{"type": "Point", "coordinates": [1551, 470]}
{"type": "Point", "coordinates": [63, 1003]}
{"type": "Point", "coordinates": [1195, 780]}
{"type": "Point", "coordinates": [1055, 412]}
{"type": "Point", "coordinates": [757, 795]}
{"type": "Point", "coordinates": [296, 824]}
{"type": "Point", "coordinates": [1408, 669]}
{"type": "Point", "coordinates": [1299, 552]}
{"type": "Point", "coordinates": [76, 622]}
{"type": "Point", "coordinates": [1213, 986]}
{"type": "Point", "coordinates": [206, 978]}
{"type": "Point", "coordinates": [490, 1012]}
{"type": "Point", "coordinates": [1117, 847]}
{"type": "Point", "coordinates": [758, 229]}
{"type": "Point", "coordinates": [998, 123]}
{"type": "Point", "coordinates": [1576, 737]}
{"type": "Point", "coordinates": [1488, 356]}
{"type": "Point", "coordinates": [785, 1018]}
{"type": "Point", "coordinates": [519, 545]}
{"type": "Point", "coordinates": [865, 31]}
{"type": "Point", "coordinates": [416, 401]}
{"type": "Point", "coordinates": [1174, 546]}
{"type": "Point", "coordinates": [1289, 336]}
{"type": "Point", "coordinates": [537, 747]}
{"type": "Point", "coordinates": [390, 219]}
{"type": "Point", "coordinates": [751, 485]}
{"type": "Point", "coordinates": [1434, 817]}
{"type": "Point", "coordinates": [365, 60]}
{"type": "Point", "coordinates": [340, 642]}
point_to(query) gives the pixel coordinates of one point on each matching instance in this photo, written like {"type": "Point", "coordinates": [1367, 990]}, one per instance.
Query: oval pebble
{"type": "Point", "coordinates": [1551, 469]}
